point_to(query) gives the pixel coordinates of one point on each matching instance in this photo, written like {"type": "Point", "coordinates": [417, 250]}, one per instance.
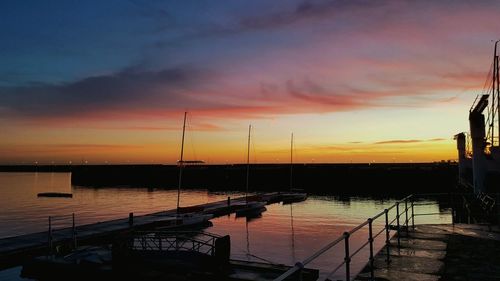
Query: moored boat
{"type": "Point", "coordinates": [251, 209]}
{"type": "Point", "coordinates": [187, 216]}
{"type": "Point", "coordinates": [295, 195]}
{"type": "Point", "coordinates": [289, 198]}
{"type": "Point", "coordinates": [55, 194]}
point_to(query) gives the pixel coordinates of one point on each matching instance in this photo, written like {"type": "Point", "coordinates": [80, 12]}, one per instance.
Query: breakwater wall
{"type": "Point", "coordinates": [343, 179]}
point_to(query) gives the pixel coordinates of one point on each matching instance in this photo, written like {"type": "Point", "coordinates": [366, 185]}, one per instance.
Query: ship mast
{"type": "Point", "coordinates": [493, 81]}
{"type": "Point", "coordinates": [181, 163]}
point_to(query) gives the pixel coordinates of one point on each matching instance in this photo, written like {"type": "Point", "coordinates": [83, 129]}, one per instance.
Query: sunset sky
{"type": "Point", "coordinates": [355, 81]}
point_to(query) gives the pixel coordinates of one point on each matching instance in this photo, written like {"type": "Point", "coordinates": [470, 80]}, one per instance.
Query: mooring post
{"type": "Point", "coordinates": [347, 257]}
{"type": "Point", "coordinates": [131, 219]}
{"type": "Point", "coordinates": [387, 241]}
{"type": "Point", "coordinates": [300, 267]}
{"type": "Point", "coordinates": [50, 235]}
{"type": "Point", "coordinates": [398, 226]}
{"type": "Point", "coordinates": [452, 210]}
{"type": "Point", "coordinates": [370, 240]}
{"type": "Point", "coordinates": [73, 230]}
{"type": "Point", "coordinates": [412, 215]}
{"type": "Point", "coordinates": [497, 204]}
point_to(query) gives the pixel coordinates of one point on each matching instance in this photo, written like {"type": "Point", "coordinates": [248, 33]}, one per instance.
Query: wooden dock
{"type": "Point", "coordinates": [15, 250]}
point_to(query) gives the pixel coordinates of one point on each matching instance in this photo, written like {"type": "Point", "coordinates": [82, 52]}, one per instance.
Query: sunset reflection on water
{"type": "Point", "coordinates": [285, 234]}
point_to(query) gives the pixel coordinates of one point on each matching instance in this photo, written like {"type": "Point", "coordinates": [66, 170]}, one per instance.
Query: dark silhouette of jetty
{"type": "Point", "coordinates": [346, 179]}
{"type": "Point", "coordinates": [343, 179]}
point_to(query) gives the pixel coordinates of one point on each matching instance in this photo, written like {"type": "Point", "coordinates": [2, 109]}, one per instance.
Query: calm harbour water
{"type": "Point", "coordinates": [284, 234]}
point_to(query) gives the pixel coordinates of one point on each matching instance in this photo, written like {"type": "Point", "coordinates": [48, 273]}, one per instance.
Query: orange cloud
{"type": "Point", "coordinates": [408, 141]}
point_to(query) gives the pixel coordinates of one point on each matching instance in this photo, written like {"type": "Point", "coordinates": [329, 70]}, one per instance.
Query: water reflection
{"type": "Point", "coordinates": [284, 234]}
{"type": "Point", "coordinates": [292, 231]}
{"type": "Point", "coordinates": [23, 212]}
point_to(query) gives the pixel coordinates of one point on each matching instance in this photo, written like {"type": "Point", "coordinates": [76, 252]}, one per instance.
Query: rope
{"type": "Point", "coordinates": [262, 259]}
{"type": "Point", "coordinates": [253, 146]}
{"type": "Point", "coordinates": [488, 79]}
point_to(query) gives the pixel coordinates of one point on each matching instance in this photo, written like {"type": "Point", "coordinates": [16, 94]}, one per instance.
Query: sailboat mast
{"type": "Point", "coordinates": [181, 163]}
{"type": "Point", "coordinates": [493, 95]}
{"type": "Point", "coordinates": [497, 62]}
{"type": "Point", "coordinates": [248, 162]}
{"type": "Point", "coordinates": [291, 163]}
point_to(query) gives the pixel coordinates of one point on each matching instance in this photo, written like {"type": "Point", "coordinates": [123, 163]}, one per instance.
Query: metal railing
{"type": "Point", "coordinates": [403, 216]}
{"type": "Point", "coordinates": [194, 241]}
{"type": "Point", "coordinates": [61, 223]}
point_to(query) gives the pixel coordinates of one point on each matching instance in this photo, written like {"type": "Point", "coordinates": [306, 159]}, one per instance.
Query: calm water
{"type": "Point", "coordinates": [284, 234]}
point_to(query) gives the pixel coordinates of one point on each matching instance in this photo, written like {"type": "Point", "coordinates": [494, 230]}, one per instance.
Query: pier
{"type": "Point", "coordinates": [15, 250]}
{"type": "Point", "coordinates": [415, 252]}
{"type": "Point", "coordinates": [439, 252]}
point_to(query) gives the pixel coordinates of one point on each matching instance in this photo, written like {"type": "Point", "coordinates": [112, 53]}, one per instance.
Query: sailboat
{"type": "Point", "coordinates": [254, 208]}
{"type": "Point", "coordinates": [187, 216]}
{"type": "Point", "coordinates": [293, 197]}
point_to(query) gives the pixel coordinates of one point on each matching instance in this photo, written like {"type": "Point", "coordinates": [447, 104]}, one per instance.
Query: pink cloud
{"type": "Point", "coordinates": [354, 55]}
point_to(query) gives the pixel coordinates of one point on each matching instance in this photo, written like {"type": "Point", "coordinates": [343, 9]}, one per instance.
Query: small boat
{"type": "Point", "coordinates": [184, 221]}
{"type": "Point", "coordinates": [251, 209]}
{"type": "Point", "coordinates": [85, 263]}
{"type": "Point", "coordinates": [55, 194]}
{"type": "Point", "coordinates": [186, 216]}
{"type": "Point", "coordinates": [289, 198]}
{"type": "Point", "coordinates": [194, 219]}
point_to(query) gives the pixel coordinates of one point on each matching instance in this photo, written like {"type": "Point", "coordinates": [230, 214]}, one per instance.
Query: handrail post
{"type": "Point", "coordinates": [50, 235]}
{"type": "Point", "coordinates": [370, 239]}
{"type": "Point", "coordinates": [398, 226]}
{"type": "Point", "coordinates": [347, 257]}
{"type": "Point", "coordinates": [412, 215]}
{"type": "Point", "coordinates": [452, 210]}
{"type": "Point", "coordinates": [73, 230]}
{"type": "Point", "coordinates": [299, 272]}
{"type": "Point", "coordinates": [406, 216]}
{"type": "Point", "coordinates": [387, 241]}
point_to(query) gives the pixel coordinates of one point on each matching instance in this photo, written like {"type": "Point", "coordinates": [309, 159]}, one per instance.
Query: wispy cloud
{"type": "Point", "coordinates": [124, 91]}
{"type": "Point", "coordinates": [408, 141]}
{"type": "Point", "coordinates": [398, 141]}
{"type": "Point", "coordinates": [195, 127]}
{"type": "Point", "coordinates": [67, 148]}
